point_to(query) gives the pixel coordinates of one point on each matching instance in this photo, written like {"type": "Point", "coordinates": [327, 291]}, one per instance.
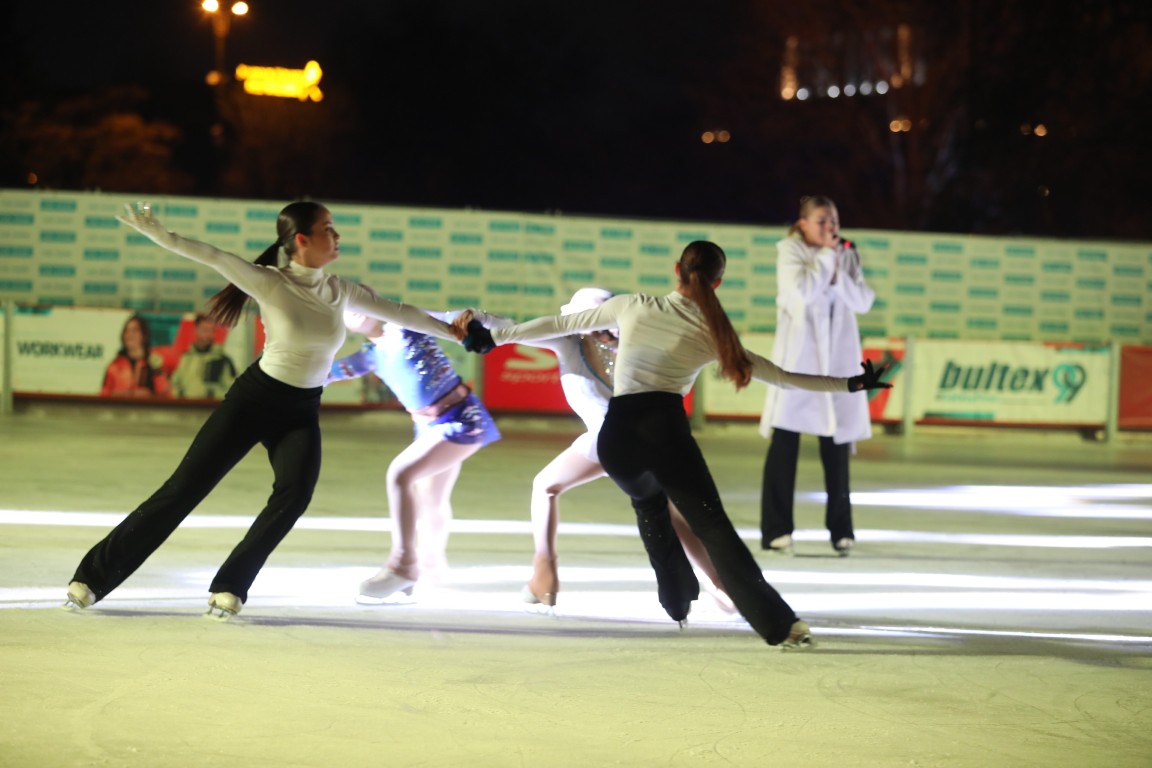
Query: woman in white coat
{"type": "Point", "coordinates": [820, 290]}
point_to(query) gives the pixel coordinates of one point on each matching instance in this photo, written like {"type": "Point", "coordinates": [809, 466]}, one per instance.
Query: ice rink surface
{"type": "Point", "coordinates": [997, 611]}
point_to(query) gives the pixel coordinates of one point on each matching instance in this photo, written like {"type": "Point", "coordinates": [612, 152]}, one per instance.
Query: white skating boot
{"type": "Point", "coordinates": [799, 638]}
{"type": "Point", "coordinates": [781, 545]}
{"type": "Point", "coordinates": [223, 606]}
{"type": "Point", "coordinates": [384, 585]}
{"type": "Point", "coordinates": [79, 597]}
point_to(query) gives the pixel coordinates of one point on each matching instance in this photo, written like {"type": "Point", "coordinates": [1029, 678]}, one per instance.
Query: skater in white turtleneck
{"type": "Point", "coordinates": [275, 402]}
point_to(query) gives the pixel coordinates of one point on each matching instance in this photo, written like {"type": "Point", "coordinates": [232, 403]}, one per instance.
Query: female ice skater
{"type": "Point", "coordinates": [586, 363]}
{"type": "Point", "coordinates": [646, 444]}
{"type": "Point", "coordinates": [275, 402]}
{"type": "Point", "coordinates": [451, 424]}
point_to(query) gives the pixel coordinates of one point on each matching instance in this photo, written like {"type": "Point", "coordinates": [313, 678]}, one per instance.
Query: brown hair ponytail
{"type": "Point", "coordinates": [296, 218]}
{"type": "Point", "coordinates": [701, 265]}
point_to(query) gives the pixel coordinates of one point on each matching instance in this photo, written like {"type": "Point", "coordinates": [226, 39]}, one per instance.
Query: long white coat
{"type": "Point", "coordinates": [816, 332]}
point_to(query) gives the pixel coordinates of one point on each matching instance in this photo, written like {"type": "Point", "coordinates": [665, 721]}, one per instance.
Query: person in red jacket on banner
{"type": "Point", "coordinates": [136, 371]}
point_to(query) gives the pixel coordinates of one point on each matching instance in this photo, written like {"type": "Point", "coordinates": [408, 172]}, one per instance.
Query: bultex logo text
{"type": "Point", "coordinates": [1067, 379]}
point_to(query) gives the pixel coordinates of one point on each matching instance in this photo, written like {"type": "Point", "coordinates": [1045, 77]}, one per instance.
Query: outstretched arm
{"type": "Point", "coordinates": [364, 301]}
{"type": "Point", "coordinates": [768, 372]}
{"type": "Point", "coordinates": [245, 275]}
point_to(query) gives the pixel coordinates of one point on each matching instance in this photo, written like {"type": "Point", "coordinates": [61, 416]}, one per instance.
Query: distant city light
{"type": "Point", "coordinates": [863, 62]}
{"type": "Point", "coordinates": [212, 6]}
{"type": "Point", "coordinates": [723, 136]}
{"type": "Point", "coordinates": [302, 84]}
{"type": "Point", "coordinates": [33, 179]}
{"type": "Point", "coordinates": [1025, 130]}
{"type": "Point", "coordinates": [1040, 129]}
{"type": "Point", "coordinates": [708, 137]}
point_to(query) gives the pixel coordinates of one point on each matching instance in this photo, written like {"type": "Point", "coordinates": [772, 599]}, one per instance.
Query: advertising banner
{"type": "Point", "coordinates": [64, 351]}
{"type": "Point", "coordinates": [522, 378]}
{"type": "Point", "coordinates": [1005, 383]}
{"type": "Point", "coordinates": [1135, 398]}
{"type": "Point", "coordinates": [74, 351]}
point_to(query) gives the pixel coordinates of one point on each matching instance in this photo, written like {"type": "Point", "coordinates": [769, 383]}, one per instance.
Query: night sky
{"type": "Point", "coordinates": [600, 107]}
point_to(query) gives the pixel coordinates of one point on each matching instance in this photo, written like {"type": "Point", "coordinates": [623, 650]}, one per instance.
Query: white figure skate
{"type": "Point", "coordinates": [222, 606]}
{"type": "Point", "coordinates": [79, 597]}
{"type": "Point", "coordinates": [385, 587]}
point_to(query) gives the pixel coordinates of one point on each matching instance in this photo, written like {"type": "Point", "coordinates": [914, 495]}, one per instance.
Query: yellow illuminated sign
{"type": "Point", "coordinates": [303, 84]}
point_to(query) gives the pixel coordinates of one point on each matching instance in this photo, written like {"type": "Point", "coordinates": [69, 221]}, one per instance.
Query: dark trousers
{"type": "Point", "coordinates": [257, 409]}
{"type": "Point", "coordinates": [647, 448]}
{"type": "Point", "coordinates": [778, 490]}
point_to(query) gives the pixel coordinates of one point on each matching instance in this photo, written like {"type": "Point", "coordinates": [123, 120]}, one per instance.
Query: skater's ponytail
{"type": "Point", "coordinates": [296, 218]}
{"type": "Point", "coordinates": [701, 265]}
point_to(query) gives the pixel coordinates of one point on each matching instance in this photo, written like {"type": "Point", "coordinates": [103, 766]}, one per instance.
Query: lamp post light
{"type": "Point", "coordinates": [221, 25]}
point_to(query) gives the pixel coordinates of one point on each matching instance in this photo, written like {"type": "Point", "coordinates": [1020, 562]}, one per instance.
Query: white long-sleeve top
{"type": "Point", "coordinates": [302, 309]}
{"type": "Point", "coordinates": [585, 392]}
{"type": "Point", "coordinates": [664, 344]}
{"type": "Point", "coordinates": [819, 293]}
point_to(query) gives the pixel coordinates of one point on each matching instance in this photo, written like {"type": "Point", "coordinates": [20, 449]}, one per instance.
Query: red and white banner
{"type": "Point", "coordinates": [523, 379]}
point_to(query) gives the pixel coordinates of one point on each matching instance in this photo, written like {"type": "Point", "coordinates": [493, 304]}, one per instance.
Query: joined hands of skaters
{"type": "Point", "coordinates": [472, 333]}
{"type": "Point", "coordinates": [870, 379]}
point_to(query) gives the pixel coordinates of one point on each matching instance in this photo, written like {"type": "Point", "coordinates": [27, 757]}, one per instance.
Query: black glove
{"type": "Point", "coordinates": [870, 379]}
{"type": "Point", "coordinates": [478, 339]}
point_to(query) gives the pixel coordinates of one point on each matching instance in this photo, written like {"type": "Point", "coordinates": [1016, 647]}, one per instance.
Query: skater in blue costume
{"type": "Point", "coordinates": [450, 424]}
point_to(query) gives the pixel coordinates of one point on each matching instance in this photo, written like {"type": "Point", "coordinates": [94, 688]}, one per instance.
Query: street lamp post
{"type": "Point", "coordinates": [221, 25]}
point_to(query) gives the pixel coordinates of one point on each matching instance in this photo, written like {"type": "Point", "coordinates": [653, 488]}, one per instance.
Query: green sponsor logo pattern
{"type": "Point", "coordinates": [101, 254]}
{"type": "Point", "coordinates": [70, 249]}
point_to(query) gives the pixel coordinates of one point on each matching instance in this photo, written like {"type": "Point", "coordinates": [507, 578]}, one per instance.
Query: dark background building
{"type": "Point", "coordinates": [972, 116]}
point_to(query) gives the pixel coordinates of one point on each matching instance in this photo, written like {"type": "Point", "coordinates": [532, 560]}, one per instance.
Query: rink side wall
{"type": "Point", "coordinates": [985, 314]}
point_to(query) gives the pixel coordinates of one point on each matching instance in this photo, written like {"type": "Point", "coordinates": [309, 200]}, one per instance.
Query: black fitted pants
{"type": "Point", "coordinates": [257, 409]}
{"type": "Point", "coordinates": [647, 448]}
{"type": "Point", "coordinates": [778, 490]}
